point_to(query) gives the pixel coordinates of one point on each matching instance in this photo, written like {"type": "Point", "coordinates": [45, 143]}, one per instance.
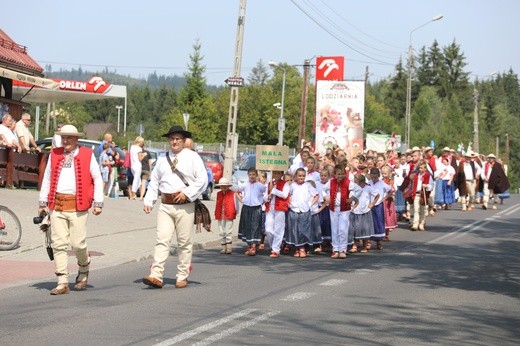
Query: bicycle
{"type": "Point", "coordinates": [10, 229]}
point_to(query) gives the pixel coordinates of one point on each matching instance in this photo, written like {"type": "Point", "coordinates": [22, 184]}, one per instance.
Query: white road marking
{"type": "Point", "coordinates": [205, 327]}
{"type": "Point", "coordinates": [237, 328]}
{"type": "Point", "coordinates": [363, 271]}
{"type": "Point", "coordinates": [472, 226]}
{"type": "Point", "coordinates": [513, 210]}
{"type": "Point", "coordinates": [297, 296]}
{"type": "Point", "coordinates": [406, 254]}
{"type": "Point", "coordinates": [333, 282]}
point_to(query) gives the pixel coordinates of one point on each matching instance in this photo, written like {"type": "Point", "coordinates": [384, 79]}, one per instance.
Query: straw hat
{"type": "Point", "coordinates": [69, 130]}
{"type": "Point", "coordinates": [224, 182]}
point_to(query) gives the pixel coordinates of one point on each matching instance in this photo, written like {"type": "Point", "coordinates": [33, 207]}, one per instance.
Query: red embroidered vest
{"type": "Point", "coordinates": [225, 207]}
{"type": "Point", "coordinates": [280, 204]}
{"type": "Point", "coordinates": [344, 193]}
{"type": "Point", "coordinates": [84, 182]}
{"type": "Point", "coordinates": [425, 180]}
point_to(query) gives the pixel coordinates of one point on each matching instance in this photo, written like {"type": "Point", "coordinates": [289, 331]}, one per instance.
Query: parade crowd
{"type": "Point", "coordinates": [321, 203]}
{"type": "Point", "coordinates": [332, 203]}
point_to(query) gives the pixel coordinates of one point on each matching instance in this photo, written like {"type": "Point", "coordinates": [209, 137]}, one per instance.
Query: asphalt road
{"type": "Point", "coordinates": [458, 283]}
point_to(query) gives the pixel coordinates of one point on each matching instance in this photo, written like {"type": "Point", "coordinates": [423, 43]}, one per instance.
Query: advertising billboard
{"type": "Point", "coordinates": [340, 115]}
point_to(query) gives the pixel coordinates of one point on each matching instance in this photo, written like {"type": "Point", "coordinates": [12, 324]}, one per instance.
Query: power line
{"type": "Point", "coordinates": [341, 40]}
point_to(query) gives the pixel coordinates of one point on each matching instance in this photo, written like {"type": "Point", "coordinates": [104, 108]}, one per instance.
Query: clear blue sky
{"type": "Point", "coordinates": [138, 37]}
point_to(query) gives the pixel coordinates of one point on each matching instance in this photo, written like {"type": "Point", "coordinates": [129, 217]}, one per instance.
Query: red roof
{"type": "Point", "coordinates": [15, 54]}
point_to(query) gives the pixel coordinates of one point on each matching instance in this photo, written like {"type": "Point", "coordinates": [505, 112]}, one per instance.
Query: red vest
{"type": "Point", "coordinates": [425, 181]}
{"type": "Point", "coordinates": [280, 204]}
{"type": "Point", "coordinates": [225, 207]}
{"type": "Point", "coordinates": [84, 182]}
{"type": "Point", "coordinates": [344, 193]}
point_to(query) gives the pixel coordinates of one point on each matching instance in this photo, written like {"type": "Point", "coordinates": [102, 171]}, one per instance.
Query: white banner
{"type": "Point", "coordinates": [22, 77]}
{"type": "Point", "coordinates": [340, 115]}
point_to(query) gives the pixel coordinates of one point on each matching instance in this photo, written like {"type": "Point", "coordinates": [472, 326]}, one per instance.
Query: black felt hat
{"type": "Point", "coordinates": [177, 129]}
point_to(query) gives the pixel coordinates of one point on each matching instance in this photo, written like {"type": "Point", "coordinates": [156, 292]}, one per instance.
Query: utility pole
{"type": "Point", "coordinates": [303, 106]}
{"type": "Point", "coordinates": [231, 138]}
{"type": "Point", "coordinates": [475, 122]}
{"type": "Point", "coordinates": [507, 149]}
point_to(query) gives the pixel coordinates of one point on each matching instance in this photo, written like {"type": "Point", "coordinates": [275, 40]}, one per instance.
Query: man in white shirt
{"type": "Point", "coordinates": [25, 137]}
{"type": "Point", "coordinates": [7, 136]}
{"type": "Point", "coordinates": [181, 177]}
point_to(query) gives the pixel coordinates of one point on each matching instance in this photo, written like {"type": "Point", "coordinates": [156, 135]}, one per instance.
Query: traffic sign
{"type": "Point", "coordinates": [235, 81]}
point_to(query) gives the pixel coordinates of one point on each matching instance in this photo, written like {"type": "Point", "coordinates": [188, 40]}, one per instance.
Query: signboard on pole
{"type": "Point", "coordinates": [330, 68]}
{"type": "Point", "coordinates": [340, 114]}
{"type": "Point", "coordinates": [272, 157]}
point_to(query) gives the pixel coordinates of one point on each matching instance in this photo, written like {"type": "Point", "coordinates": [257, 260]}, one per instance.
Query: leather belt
{"type": "Point", "coordinates": [167, 198]}
{"type": "Point", "coordinates": [64, 202]}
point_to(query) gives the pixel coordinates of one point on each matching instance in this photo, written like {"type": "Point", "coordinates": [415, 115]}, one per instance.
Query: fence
{"type": "Point", "coordinates": [17, 169]}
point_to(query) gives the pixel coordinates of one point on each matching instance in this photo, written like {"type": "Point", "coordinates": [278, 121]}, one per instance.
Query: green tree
{"type": "Point", "coordinates": [259, 74]}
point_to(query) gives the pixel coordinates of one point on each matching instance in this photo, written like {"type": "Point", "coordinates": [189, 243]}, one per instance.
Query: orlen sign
{"type": "Point", "coordinates": [94, 85]}
{"type": "Point", "coordinates": [330, 67]}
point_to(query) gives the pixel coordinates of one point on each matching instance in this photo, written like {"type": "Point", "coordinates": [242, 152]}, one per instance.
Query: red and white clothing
{"type": "Point", "coordinates": [275, 210]}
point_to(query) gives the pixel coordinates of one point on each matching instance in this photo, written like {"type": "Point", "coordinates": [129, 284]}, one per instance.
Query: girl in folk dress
{"type": "Point", "coordinates": [378, 210]}
{"type": "Point", "coordinates": [276, 206]}
{"type": "Point", "coordinates": [361, 223]}
{"type": "Point", "coordinates": [388, 203]}
{"type": "Point", "coordinates": [316, 240]}
{"type": "Point", "coordinates": [250, 226]}
{"type": "Point", "coordinates": [324, 213]}
{"type": "Point", "coordinates": [444, 192]}
{"type": "Point", "coordinates": [337, 192]}
{"type": "Point", "coordinates": [303, 196]}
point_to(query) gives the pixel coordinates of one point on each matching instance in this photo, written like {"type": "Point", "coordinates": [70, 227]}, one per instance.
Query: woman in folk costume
{"type": "Point", "coordinates": [444, 191]}
{"type": "Point", "coordinates": [337, 192]}
{"type": "Point", "coordinates": [422, 186]}
{"type": "Point", "coordinates": [389, 203]}
{"type": "Point", "coordinates": [276, 206]}
{"type": "Point", "coordinates": [378, 210]}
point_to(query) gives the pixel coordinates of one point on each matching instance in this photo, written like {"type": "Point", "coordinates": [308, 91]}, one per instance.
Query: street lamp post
{"type": "Point", "coordinates": [281, 120]}
{"type": "Point", "coordinates": [408, 118]}
{"type": "Point", "coordinates": [118, 116]}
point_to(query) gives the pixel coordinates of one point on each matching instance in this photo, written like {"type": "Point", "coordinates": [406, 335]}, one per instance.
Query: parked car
{"type": "Point", "coordinates": [215, 161]}
{"type": "Point", "coordinates": [240, 173]}
{"type": "Point", "coordinates": [46, 144]}
{"type": "Point", "coordinates": [206, 195]}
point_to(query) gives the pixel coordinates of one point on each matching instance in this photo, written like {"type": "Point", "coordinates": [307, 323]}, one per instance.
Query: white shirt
{"type": "Point", "coordinates": [22, 131]}
{"type": "Point", "coordinates": [382, 189]}
{"type": "Point", "coordinates": [279, 193]}
{"type": "Point", "coordinates": [301, 197]}
{"type": "Point", "coordinates": [189, 164]}
{"type": "Point", "coordinates": [364, 196]}
{"type": "Point", "coordinates": [9, 135]}
{"type": "Point", "coordinates": [67, 179]}
{"type": "Point", "coordinates": [252, 193]}
{"type": "Point", "coordinates": [134, 156]}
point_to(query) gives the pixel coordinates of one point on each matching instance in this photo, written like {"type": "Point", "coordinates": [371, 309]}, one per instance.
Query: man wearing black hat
{"type": "Point", "coordinates": [181, 178]}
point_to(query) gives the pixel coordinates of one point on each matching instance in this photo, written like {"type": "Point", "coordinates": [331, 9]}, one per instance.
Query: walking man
{"type": "Point", "coordinates": [72, 180]}
{"type": "Point", "coordinates": [181, 178]}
